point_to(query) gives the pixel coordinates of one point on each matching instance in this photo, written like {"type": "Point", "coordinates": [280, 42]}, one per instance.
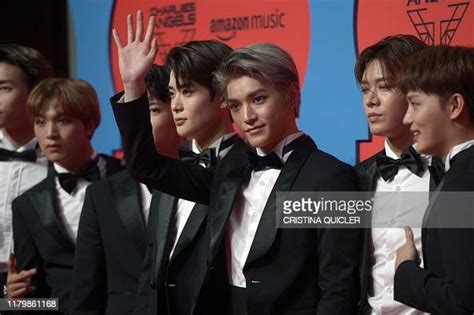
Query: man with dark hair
{"type": "Point", "coordinates": [175, 278]}
{"type": "Point", "coordinates": [112, 240]}
{"type": "Point", "coordinates": [438, 84]}
{"type": "Point", "coordinates": [46, 217]}
{"type": "Point", "coordinates": [269, 270]}
{"type": "Point", "coordinates": [377, 70]}
{"type": "Point", "coordinates": [22, 165]}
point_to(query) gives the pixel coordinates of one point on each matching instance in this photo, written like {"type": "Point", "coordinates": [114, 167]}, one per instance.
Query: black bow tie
{"type": "Point", "coordinates": [259, 163]}
{"type": "Point", "coordinates": [409, 158]}
{"type": "Point", "coordinates": [27, 155]}
{"type": "Point", "coordinates": [89, 171]}
{"type": "Point", "coordinates": [206, 157]}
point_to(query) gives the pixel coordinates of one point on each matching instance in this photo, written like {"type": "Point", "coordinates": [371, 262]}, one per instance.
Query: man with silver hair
{"type": "Point", "coordinates": [270, 270]}
{"type": "Point", "coordinates": [261, 86]}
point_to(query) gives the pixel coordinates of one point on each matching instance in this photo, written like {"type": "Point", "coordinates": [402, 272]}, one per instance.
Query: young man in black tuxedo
{"type": "Point", "coordinates": [270, 270]}
{"type": "Point", "coordinates": [175, 279]}
{"type": "Point", "coordinates": [438, 84]}
{"type": "Point", "coordinates": [46, 217]}
{"type": "Point", "coordinates": [112, 240]}
{"type": "Point", "coordinates": [397, 168]}
{"type": "Point", "coordinates": [22, 165]}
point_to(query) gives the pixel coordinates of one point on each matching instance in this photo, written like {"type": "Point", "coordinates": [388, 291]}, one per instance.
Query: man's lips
{"type": "Point", "coordinates": [254, 129]}
{"type": "Point", "coordinates": [53, 146]}
{"type": "Point", "coordinates": [179, 121]}
{"type": "Point", "coordinates": [373, 117]}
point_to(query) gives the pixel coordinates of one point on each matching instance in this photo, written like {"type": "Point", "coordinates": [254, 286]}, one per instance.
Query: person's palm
{"type": "Point", "coordinates": [136, 58]}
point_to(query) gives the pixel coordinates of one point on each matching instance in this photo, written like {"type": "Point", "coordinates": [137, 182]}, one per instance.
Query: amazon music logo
{"type": "Point", "coordinates": [227, 28]}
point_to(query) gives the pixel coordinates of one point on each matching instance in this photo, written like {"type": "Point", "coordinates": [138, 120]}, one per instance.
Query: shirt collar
{"type": "Point", "coordinates": [59, 169]}
{"type": "Point", "coordinates": [278, 149]}
{"type": "Point", "coordinates": [215, 145]}
{"type": "Point", "coordinates": [5, 143]}
{"type": "Point", "coordinates": [456, 150]}
{"type": "Point", "coordinates": [391, 154]}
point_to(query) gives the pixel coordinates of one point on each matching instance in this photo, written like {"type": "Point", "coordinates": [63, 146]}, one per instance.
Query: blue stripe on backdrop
{"type": "Point", "coordinates": [90, 20]}
{"type": "Point", "coordinates": [331, 102]}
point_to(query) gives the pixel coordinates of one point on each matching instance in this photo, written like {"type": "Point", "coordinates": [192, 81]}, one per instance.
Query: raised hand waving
{"type": "Point", "coordinates": [136, 58]}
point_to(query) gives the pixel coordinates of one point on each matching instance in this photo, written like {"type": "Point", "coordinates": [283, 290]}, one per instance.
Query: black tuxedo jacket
{"type": "Point", "coordinates": [110, 247]}
{"type": "Point", "coordinates": [41, 240]}
{"type": "Point", "coordinates": [446, 283]}
{"type": "Point", "coordinates": [288, 270]}
{"type": "Point", "coordinates": [181, 282]}
{"type": "Point", "coordinates": [367, 176]}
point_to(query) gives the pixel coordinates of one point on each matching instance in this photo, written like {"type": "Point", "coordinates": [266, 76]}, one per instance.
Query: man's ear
{"type": "Point", "coordinates": [90, 129]}
{"type": "Point", "coordinates": [221, 101]}
{"type": "Point", "coordinates": [457, 106]}
{"type": "Point", "coordinates": [292, 97]}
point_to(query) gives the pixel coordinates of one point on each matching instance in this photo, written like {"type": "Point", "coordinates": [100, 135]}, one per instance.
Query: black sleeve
{"type": "Point", "coordinates": [450, 249]}
{"type": "Point", "coordinates": [447, 294]}
{"type": "Point", "coordinates": [338, 255]}
{"type": "Point", "coordinates": [26, 252]}
{"type": "Point", "coordinates": [190, 182]}
{"type": "Point", "coordinates": [89, 284]}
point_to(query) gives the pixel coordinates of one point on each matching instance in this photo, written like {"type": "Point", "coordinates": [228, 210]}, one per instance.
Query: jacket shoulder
{"type": "Point", "coordinates": [364, 165]}
{"type": "Point", "coordinates": [113, 166]}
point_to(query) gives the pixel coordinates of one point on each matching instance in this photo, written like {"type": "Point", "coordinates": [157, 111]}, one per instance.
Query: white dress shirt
{"type": "Point", "coordinates": [145, 196]}
{"type": "Point", "coordinates": [248, 209]}
{"type": "Point", "coordinates": [70, 205]}
{"type": "Point", "coordinates": [185, 207]}
{"type": "Point", "coordinates": [456, 150]}
{"type": "Point", "coordinates": [15, 178]}
{"type": "Point", "coordinates": [392, 209]}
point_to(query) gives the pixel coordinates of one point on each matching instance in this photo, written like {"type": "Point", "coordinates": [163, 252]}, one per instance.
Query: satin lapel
{"type": "Point", "coordinates": [195, 220]}
{"type": "Point", "coordinates": [267, 228]}
{"type": "Point", "coordinates": [436, 170]}
{"type": "Point", "coordinates": [433, 198]}
{"type": "Point", "coordinates": [372, 175]}
{"type": "Point", "coordinates": [165, 205]}
{"type": "Point", "coordinates": [127, 198]}
{"type": "Point", "coordinates": [44, 199]}
{"type": "Point", "coordinates": [369, 185]}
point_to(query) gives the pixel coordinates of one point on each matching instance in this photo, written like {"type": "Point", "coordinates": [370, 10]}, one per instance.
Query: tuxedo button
{"type": "Point", "coordinates": [152, 284]}
{"type": "Point", "coordinates": [150, 244]}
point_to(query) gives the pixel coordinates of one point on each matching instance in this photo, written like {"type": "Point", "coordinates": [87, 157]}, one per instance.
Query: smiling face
{"type": "Point", "coordinates": [195, 114]}
{"type": "Point", "coordinates": [260, 112]}
{"type": "Point", "coordinates": [429, 121]}
{"type": "Point", "coordinates": [62, 138]}
{"type": "Point", "coordinates": [384, 105]}
{"type": "Point", "coordinates": [14, 92]}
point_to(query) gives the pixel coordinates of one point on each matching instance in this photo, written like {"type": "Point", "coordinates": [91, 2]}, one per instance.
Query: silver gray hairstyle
{"type": "Point", "coordinates": [266, 63]}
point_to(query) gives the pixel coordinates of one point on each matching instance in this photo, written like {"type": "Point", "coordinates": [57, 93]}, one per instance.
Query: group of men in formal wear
{"type": "Point", "coordinates": [190, 226]}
